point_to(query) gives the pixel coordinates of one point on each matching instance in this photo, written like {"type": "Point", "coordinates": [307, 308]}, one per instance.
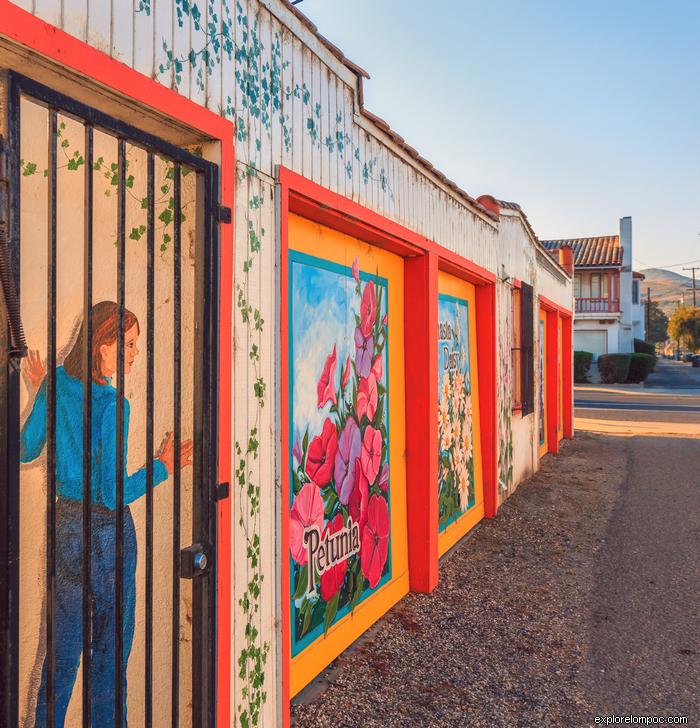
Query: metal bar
{"type": "Point", "coordinates": [119, 583]}
{"type": "Point", "coordinates": [211, 356]}
{"type": "Point", "coordinates": [50, 660]}
{"type": "Point", "coordinates": [9, 429]}
{"type": "Point", "coordinates": [150, 306]}
{"type": "Point", "coordinates": [177, 373]}
{"type": "Point", "coordinates": [87, 422]}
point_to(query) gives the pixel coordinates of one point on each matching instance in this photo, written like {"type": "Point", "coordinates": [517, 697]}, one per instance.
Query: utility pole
{"type": "Point", "coordinates": [648, 332]}
{"type": "Point", "coordinates": [694, 268]}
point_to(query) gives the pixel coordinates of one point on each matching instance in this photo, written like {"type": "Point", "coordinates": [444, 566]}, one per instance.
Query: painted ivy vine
{"type": "Point", "coordinates": [259, 84]}
{"type": "Point", "coordinates": [164, 200]}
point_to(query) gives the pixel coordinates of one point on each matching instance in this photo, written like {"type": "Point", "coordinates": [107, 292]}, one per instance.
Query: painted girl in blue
{"type": "Point", "coordinates": [69, 486]}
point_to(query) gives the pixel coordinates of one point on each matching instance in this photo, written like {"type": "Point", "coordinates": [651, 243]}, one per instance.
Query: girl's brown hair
{"type": "Point", "coordinates": [105, 328]}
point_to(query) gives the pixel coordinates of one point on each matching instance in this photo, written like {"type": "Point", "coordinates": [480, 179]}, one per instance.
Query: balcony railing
{"type": "Point", "coordinates": [597, 305]}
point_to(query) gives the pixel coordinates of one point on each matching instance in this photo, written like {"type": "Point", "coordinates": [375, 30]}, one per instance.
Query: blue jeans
{"type": "Point", "coordinates": [69, 606]}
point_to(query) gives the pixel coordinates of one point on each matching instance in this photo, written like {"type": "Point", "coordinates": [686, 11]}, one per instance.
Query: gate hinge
{"type": "Point", "coordinates": [223, 214]}
{"type": "Point", "coordinates": [221, 491]}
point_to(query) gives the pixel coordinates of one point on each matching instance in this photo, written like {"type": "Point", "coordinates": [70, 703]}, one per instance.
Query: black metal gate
{"type": "Point", "coordinates": [90, 493]}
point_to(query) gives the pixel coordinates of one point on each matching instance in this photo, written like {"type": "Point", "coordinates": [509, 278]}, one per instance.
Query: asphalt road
{"type": "Point", "coordinates": [645, 644]}
{"type": "Point", "coordinates": [674, 374]}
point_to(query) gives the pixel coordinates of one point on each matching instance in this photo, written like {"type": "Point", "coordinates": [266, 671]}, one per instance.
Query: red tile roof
{"type": "Point", "coordinates": [590, 252]}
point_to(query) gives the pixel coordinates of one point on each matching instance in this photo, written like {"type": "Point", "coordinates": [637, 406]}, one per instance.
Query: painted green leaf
{"type": "Point", "coordinates": [331, 611]}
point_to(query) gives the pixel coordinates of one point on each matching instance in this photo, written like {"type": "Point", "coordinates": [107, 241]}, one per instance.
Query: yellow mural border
{"type": "Point", "coordinates": [311, 238]}
{"type": "Point", "coordinates": [452, 286]}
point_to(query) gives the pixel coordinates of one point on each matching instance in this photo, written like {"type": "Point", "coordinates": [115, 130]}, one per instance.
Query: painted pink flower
{"type": "Point", "coordinates": [385, 319]}
{"type": "Point", "coordinates": [332, 579]}
{"type": "Point", "coordinates": [367, 398]}
{"type": "Point", "coordinates": [296, 450]}
{"type": "Point", "coordinates": [368, 309]}
{"type": "Point", "coordinates": [349, 445]}
{"type": "Point", "coordinates": [307, 511]}
{"type": "Point", "coordinates": [384, 477]}
{"type": "Point", "coordinates": [326, 386]}
{"type": "Point", "coordinates": [357, 505]}
{"type": "Point", "coordinates": [356, 269]}
{"type": "Point", "coordinates": [374, 545]}
{"type": "Point", "coordinates": [321, 454]}
{"type": "Point", "coordinates": [364, 347]}
{"type": "Point", "coordinates": [371, 454]}
{"type": "Point", "coordinates": [377, 367]}
{"type": "Point", "coordinates": [346, 373]}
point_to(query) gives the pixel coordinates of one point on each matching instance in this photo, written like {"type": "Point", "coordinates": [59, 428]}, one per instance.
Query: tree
{"type": "Point", "coordinates": [684, 326]}
{"type": "Point", "coordinates": [658, 323]}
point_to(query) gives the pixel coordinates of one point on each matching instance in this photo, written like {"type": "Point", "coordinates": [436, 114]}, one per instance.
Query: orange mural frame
{"type": "Point", "coordinates": [88, 63]}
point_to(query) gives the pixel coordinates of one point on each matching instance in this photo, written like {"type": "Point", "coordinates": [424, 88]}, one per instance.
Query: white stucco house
{"type": "Point", "coordinates": [609, 312]}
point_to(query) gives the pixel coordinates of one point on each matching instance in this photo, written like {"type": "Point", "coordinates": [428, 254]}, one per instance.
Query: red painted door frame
{"type": "Point", "coordinates": [84, 61]}
{"type": "Point", "coordinates": [554, 312]}
{"type": "Point", "coordinates": [422, 258]}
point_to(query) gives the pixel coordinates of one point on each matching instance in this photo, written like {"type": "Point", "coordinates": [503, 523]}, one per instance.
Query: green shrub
{"type": "Point", "coordinates": [582, 363]}
{"type": "Point", "coordinates": [640, 367]}
{"type": "Point", "coordinates": [644, 347]}
{"type": "Point", "coordinates": [614, 368]}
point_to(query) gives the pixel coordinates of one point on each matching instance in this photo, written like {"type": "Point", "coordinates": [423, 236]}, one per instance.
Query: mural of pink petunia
{"type": "Point", "coordinates": [357, 505]}
{"type": "Point", "coordinates": [384, 477]}
{"type": "Point", "coordinates": [368, 309]}
{"type": "Point", "coordinates": [364, 348]}
{"type": "Point", "coordinates": [296, 450]}
{"type": "Point", "coordinates": [375, 541]}
{"type": "Point", "coordinates": [367, 398]}
{"type": "Point", "coordinates": [371, 455]}
{"type": "Point", "coordinates": [321, 455]}
{"type": "Point", "coordinates": [332, 579]}
{"type": "Point", "coordinates": [377, 367]}
{"type": "Point", "coordinates": [349, 446]}
{"type": "Point", "coordinates": [306, 511]}
{"type": "Point", "coordinates": [326, 387]}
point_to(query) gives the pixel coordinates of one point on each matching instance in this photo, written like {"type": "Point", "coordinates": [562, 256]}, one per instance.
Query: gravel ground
{"type": "Point", "coordinates": [504, 640]}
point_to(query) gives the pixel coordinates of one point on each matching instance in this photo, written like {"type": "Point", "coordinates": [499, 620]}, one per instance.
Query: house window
{"type": "Point", "coordinates": [635, 292]}
{"type": "Point", "coordinates": [595, 285]}
{"type": "Point", "coordinates": [527, 358]}
{"type": "Point", "coordinates": [577, 285]}
{"type": "Point", "coordinates": [516, 351]}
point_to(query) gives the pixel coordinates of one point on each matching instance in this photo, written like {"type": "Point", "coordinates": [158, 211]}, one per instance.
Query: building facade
{"type": "Point", "coordinates": [320, 361]}
{"type": "Point", "coordinates": [608, 300]}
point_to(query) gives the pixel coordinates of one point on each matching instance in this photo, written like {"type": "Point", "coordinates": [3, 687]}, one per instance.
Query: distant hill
{"type": "Point", "coordinates": [668, 288]}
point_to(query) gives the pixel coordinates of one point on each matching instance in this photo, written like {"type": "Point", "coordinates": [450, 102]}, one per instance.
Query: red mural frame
{"type": "Point", "coordinates": [554, 312]}
{"type": "Point", "coordinates": [87, 62]}
{"type": "Point", "coordinates": [422, 260]}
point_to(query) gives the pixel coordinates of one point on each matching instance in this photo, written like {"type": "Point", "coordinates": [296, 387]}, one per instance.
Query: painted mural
{"type": "Point", "coordinates": [505, 392]}
{"type": "Point", "coordinates": [456, 490]}
{"type": "Point", "coordinates": [69, 378]}
{"type": "Point", "coordinates": [339, 519]}
{"type": "Point", "coordinates": [540, 388]}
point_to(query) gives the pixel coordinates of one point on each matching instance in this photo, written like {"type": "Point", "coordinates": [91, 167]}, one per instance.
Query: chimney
{"type": "Point", "coordinates": [566, 259]}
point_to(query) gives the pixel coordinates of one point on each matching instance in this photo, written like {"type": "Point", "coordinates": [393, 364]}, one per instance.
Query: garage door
{"type": "Point", "coordinates": [594, 341]}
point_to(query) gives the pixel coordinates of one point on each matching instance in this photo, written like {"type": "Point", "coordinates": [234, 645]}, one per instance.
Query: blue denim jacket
{"type": "Point", "coordinates": [69, 442]}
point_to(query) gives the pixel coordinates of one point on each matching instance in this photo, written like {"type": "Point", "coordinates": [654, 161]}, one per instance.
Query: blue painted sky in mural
{"type": "Point", "coordinates": [323, 304]}
{"type": "Point", "coordinates": [581, 112]}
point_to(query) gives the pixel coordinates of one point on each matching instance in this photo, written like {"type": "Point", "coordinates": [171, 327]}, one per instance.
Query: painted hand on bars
{"type": "Point", "coordinates": [166, 453]}
{"type": "Point", "coordinates": [34, 370]}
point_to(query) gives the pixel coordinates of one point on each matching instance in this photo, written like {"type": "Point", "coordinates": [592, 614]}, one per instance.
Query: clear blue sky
{"type": "Point", "coordinates": [583, 112]}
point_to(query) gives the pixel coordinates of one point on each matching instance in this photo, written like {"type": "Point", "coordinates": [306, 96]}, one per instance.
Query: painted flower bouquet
{"type": "Point", "coordinates": [456, 458]}
{"type": "Point", "coordinates": [339, 524]}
